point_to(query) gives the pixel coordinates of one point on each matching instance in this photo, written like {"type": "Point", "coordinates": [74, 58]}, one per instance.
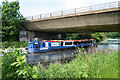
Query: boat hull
{"type": "Point", "coordinates": [60, 48]}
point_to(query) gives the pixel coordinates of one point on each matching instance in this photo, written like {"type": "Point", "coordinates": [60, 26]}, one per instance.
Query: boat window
{"type": "Point", "coordinates": [76, 43]}
{"type": "Point", "coordinates": [30, 45]}
{"type": "Point", "coordinates": [61, 43]}
{"type": "Point", "coordinates": [34, 46]}
{"type": "Point", "coordinates": [84, 42]}
{"type": "Point", "coordinates": [94, 41]}
{"type": "Point", "coordinates": [68, 43]}
{"type": "Point", "coordinates": [42, 44]}
{"type": "Point", "coordinates": [89, 42]}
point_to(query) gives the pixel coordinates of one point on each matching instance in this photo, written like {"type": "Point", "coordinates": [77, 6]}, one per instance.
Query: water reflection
{"type": "Point", "coordinates": [112, 44]}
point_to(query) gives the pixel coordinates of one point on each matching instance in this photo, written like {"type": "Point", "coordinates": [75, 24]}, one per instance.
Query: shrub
{"type": "Point", "coordinates": [14, 66]}
{"type": "Point", "coordinates": [14, 44]}
{"type": "Point", "coordinates": [8, 58]}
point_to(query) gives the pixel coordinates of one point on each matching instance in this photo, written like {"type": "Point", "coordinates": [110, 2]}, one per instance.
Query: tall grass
{"type": "Point", "coordinates": [97, 65]}
{"type": "Point", "coordinates": [0, 68]}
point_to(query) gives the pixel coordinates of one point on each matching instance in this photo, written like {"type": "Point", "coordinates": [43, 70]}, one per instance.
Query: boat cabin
{"type": "Point", "coordinates": [45, 45]}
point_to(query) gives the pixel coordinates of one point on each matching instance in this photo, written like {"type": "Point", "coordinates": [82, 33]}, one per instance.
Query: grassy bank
{"type": "Point", "coordinates": [14, 44]}
{"type": "Point", "coordinates": [0, 68]}
{"type": "Point", "coordinates": [97, 65]}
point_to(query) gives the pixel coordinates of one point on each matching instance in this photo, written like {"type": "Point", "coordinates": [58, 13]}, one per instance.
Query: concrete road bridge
{"type": "Point", "coordinates": [96, 18]}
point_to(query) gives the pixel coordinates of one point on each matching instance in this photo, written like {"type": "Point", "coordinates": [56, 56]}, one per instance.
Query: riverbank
{"type": "Point", "coordinates": [110, 41]}
{"type": "Point", "coordinates": [7, 44]}
{"type": "Point", "coordinates": [97, 65]}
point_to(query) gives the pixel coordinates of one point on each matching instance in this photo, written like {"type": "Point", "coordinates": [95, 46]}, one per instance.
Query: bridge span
{"type": "Point", "coordinates": [97, 18]}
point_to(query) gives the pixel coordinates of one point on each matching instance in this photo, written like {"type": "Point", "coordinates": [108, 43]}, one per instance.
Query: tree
{"type": "Point", "coordinates": [11, 20]}
{"type": "Point", "coordinates": [93, 35]}
{"type": "Point", "coordinates": [112, 34]}
{"type": "Point", "coordinates": [0, 23]}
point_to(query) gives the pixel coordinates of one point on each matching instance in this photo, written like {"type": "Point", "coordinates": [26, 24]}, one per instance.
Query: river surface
{"type": "Point", "coordinates": [113, 44]}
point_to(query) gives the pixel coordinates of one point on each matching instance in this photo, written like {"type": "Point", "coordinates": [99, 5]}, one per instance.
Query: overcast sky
{"type": "Point", "coordinates": [36, 7]}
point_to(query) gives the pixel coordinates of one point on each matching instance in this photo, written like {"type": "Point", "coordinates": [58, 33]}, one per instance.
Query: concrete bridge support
{"type": "Point", "coordinates": [27, 35]}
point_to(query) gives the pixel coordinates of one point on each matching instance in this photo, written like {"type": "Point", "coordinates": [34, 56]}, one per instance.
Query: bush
{"type": "Point", "coordinates": [8, 71]}
{"type": "Point", "coordinates": [14, 66]}
{"type": "Point", "coordinates": [14, 44]}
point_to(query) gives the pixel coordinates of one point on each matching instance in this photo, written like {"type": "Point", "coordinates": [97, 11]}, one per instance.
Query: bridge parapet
{"type": "Point", "coordinates": [76, 10]}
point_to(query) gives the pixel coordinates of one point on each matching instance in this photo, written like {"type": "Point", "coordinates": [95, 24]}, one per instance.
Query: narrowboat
{"type": "Point", "coordinates": [52, 45]}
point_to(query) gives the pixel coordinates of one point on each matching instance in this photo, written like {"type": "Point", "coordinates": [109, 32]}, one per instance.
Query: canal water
{"type": "Point", "coordinates": [112, 44]}
{"type": "Point", "coordinates": [108, 45]}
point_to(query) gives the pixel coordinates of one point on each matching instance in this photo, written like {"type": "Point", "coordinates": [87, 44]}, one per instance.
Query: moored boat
{"type": "Point", "coordinates": [51, 45]}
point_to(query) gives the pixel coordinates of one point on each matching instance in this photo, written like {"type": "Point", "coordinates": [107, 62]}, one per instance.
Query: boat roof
{"type": "Point", "coordinates": [53, 41]}
{"type": "Point", "coordinates": [68, 40]}
{"type": "Point", "coordinates": [78, 40]}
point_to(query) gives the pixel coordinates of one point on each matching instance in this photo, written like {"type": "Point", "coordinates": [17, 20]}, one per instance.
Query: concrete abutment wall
{"type": "Point", "coordinates": [27, 35]}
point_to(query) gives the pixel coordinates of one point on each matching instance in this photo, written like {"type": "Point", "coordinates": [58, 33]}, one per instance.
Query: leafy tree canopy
{"type": "Point", "coordinates": [95, 35]}
{"type": "Point", "coordinates": [11, 20]}
{"type": "Point", "coordinates": [99, 36]}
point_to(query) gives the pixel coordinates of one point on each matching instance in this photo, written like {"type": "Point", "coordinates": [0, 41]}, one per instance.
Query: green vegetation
{"type": "Point", "coordinates": [112, 35]}
{"type": "Point", "coordinates": [99, 36]}
{"type": "Point", "coordinates": [0, 68]}
{"type": "Point", "coordinates": [0, 24]}
{"type": "Point", "coordinates": [97, 65]}
{"type": "Point", "coordinates": [77, 36]}
{"type": "Point", "coordinates": [11, 21]}
{"type": "Point", "coordinates": [14, 64]}
{"type": "Point", "coordinates": [8, 71]}
{"type": "Point", "coordinates": [14, 44]}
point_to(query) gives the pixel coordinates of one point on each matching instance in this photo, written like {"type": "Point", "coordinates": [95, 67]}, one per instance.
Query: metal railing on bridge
{"type": "Point", "coordinates": [76, 10]}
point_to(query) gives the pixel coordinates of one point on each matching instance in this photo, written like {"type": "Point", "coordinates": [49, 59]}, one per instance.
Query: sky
{"type": "Point", "coordinates": [36, 7]}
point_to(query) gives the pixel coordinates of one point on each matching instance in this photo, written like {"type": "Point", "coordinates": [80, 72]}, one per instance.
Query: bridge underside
{"type": "Point", "coordinates": [77, 29]}
{"type": "Point", "coordinates": [96, 21]}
